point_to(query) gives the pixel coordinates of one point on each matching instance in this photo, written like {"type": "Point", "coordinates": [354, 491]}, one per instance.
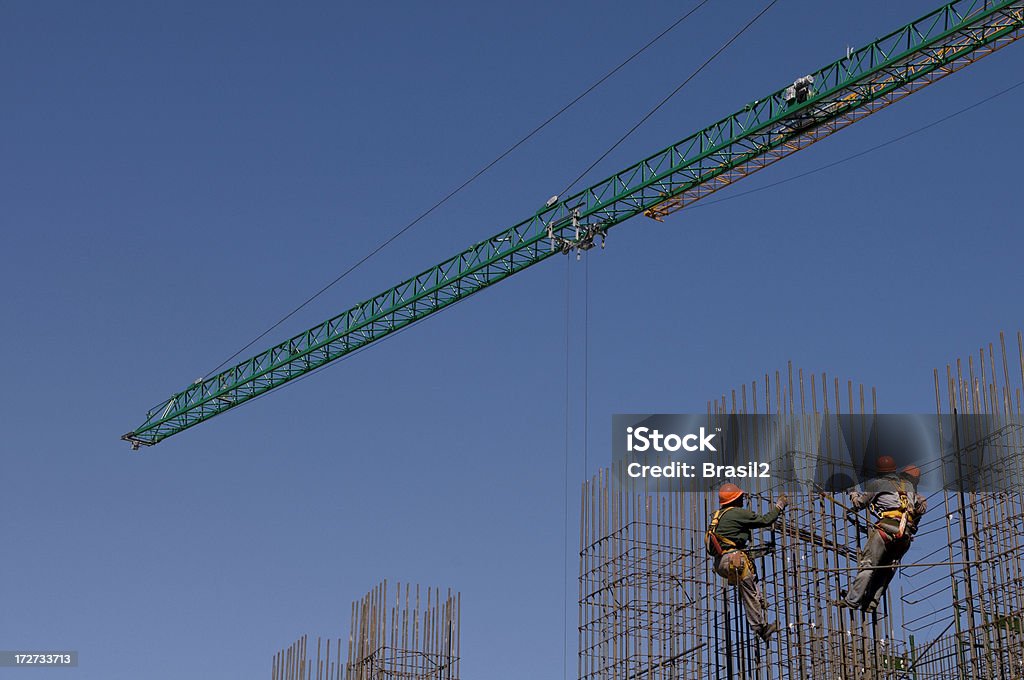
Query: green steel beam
{"type": "Point", "coordinates": [949, 38]}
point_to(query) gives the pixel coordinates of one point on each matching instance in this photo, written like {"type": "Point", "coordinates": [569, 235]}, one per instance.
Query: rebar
{"type": "Point", "coordinates": [413, 636]}
{"type": "Point", "coordinates": [652, 607]}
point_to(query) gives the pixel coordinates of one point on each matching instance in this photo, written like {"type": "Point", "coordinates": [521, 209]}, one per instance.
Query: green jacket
{"type": "Point", "coordinates": [735, 524]}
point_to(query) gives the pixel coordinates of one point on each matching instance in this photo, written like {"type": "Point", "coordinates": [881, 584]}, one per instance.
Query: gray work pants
{"type": "Point", "coordinates": [750, 592]}
{"type": "Point", "coordinates": [870, 584]}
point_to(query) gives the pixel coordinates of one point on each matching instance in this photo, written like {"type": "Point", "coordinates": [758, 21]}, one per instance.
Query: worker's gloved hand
{"type": "Point", "coordinates": [920, 505]}
{"type": "Point", "coordinates": [857, 498]}
{"type": "Point", "coordinates": [781, 502]}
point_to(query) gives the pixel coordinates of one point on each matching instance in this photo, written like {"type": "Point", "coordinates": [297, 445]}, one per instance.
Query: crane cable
{"type": "Point", "coordinates": [586, 424]}
{"type": "Point", "coordinates": [586, 363]}
{"type": "Point", "coordinates": [391, 239]}
{"type": "Point", "coordinates": [670, 95]}
{"type": "Point", "coordinates": [565, 480]}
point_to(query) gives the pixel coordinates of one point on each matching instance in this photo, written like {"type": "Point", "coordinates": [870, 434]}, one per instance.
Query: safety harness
{"type": "Point", "coordinates": [734, 562]}
{"type": "Point", "coordinates": [718, 545]}
{"type": "Point", "coordinates": [903, 515]}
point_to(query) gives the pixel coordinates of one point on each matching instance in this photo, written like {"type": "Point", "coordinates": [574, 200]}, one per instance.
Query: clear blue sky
{"type": "Point", "coordinates": [176, 176]}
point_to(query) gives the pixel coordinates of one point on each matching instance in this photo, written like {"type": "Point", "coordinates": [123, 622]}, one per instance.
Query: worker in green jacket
{"type": "Point", "coordinates": [727, 539]}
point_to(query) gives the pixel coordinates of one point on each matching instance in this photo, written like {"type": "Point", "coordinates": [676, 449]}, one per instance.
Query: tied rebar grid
{"type": "Point", "coordinates": [983, 579]}
{"type": "Point", "coordinates": [414, 637]}
{"type": "Point", "coordinates": [651, 605]}
{"type": "Point", "coordinates": [815, 542]}
{"type": "Point", "coordinates": [643, 593]}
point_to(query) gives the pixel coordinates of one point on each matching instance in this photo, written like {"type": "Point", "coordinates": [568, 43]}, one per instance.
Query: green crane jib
{"type": "Point", "coordinates": [762, 132]}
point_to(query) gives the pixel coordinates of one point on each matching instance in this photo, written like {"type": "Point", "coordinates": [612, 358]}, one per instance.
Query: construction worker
{"type": "Point", "coordinates": [893, 499]}
{"type": "Point", "coordinates": [726, 541]}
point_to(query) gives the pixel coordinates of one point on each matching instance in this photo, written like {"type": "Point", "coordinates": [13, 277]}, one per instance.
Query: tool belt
{"type": "Point", "coordinates": [731, 562]}
{"type": "Point", "coordinates": [896, 525]}
{"type": "Point", "coordinates": [734, 565]}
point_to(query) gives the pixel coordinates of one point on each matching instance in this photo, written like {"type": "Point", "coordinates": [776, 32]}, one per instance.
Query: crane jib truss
{"type": "Point", "coordinates": [761, 133]}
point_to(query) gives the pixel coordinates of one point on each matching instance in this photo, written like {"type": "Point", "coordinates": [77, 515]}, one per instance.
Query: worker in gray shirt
{"type": "Point", "coordinates": [893, 499]}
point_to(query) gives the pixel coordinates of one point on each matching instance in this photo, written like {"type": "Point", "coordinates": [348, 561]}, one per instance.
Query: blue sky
{"type": "Point", "coordinates": [175, 177]}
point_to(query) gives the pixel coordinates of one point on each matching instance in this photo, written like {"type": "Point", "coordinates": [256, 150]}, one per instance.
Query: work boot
{"type": "Point", "coordinates": [842, 603]}
{"type": "Point", "coordinates": [766, 631]}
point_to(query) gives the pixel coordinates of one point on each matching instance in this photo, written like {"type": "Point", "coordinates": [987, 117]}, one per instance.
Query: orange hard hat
{"type": "Point", "coordinates": [728, 493]}
{"type": "Point", "coordinates": [885, 464]}
{"type": "Point", "coordinates": [912, 471]}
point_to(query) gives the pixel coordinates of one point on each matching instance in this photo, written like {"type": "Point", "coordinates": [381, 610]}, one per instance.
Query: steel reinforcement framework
{"type": "Point", "coordinates": [401, 634]}
{"type": "Point", "coordinates": [651, 607]}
